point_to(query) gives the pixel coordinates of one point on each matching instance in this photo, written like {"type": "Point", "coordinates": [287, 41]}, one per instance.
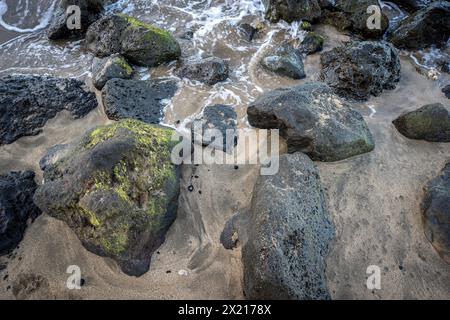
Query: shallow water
{"type": "Point", "coordinates": [373, 199]}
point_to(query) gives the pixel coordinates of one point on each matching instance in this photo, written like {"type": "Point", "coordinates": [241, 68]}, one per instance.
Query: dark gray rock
{"type": "Point", "coordinates": [247, 31]}
{"type": "Point", "coordinates": [412, 5]}
{"type": "Point", "coordinates": [292, 10]}
{"type": "Point", "coordinates": [353, 16]}
{"type": "Point", "coordinates": [446, 91]}
{"type": "Point", "coordinates": [430, 123]}
{"type": "Point", "coordinates": [284, 257]}
{"type": "Point", "coordinates": [117, 190]}
{"type": "Point", "coordinates": [209, 70]}
{"type": "Point", "coordinates": [221, 118]}
{"type": "Point", "coordinates": [90, 11]}
{"type": "Point", "coordinates": [27, 102]}
{"type": "Point", "coordinates": [285, 61]}
{"type": "Point", "coordinates": [16, 207]}
{"type": "Point", "coordinates": [428, 26]}
{"type": "Point", "coordinates": [312, 43]}
{"type": "Point", "coordinates": [436, 213]}
{"type": "Point", "coordinates": [53, 155]}
{"type": "Point", "coordinates": [137, 99]}
{"type": "Point", "coordinates": [109, 68]}
{"type": "Point", "coordinates": [361, 69]}
{"type": "Point", "coordinates": [141, 43]}
{"type": "Point", "coordinates": [313, 120]}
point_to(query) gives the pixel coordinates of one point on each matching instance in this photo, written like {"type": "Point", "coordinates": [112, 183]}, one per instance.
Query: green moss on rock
{"type": "Point", "coordinates": [118, 190]}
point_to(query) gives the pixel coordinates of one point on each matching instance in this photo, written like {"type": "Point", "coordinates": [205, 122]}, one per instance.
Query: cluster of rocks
{"type": "Point", "coordinates": [117, 187]}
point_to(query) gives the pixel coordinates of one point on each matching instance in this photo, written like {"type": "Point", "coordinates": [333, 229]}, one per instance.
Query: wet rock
{"type": "Point", "coordinates": [292, 10]}
{"type": "Point", "coordinates": [117, 190]}
{"type": "Point", "coordinates": [27, 102]}
{"type": "Point", "coordinates": [53, 155]}
{"type": "Point", "coordinates": [16, 207]}
{"type": "Point", "coordinates": [285, 61]}
{"type": "Point", "coordinates": [430, 123]}
{"type": "Point", "coordinates": [353, 16]}
{"type": "Point", "coordinates": [337, 19]}
{"type": "Point", "coordinates": [284, 257]}
{"type": "Point", "coordinates": [360, 69]}
{"type": "Point", "coordinates": [313, 120]}
{"type": "Point", "coordinates": [428, 26]}
{"type": "Point", "coordinates": [436, 213]}
{"type": "Point", "coordinates": [446, 91]}
{"type": "Point", "coordinates": [141, 43]}
{"type": "Point", "coordinates": [137, 99]}
{"type": "Point", "coordinates": [247, 31]}
{"type": "Point", "coordinates": [412, 5]}
{"type": "Point", "coordinates": [109, 68]}
{"type": "Point", "coordinates": [90, 11]}
{"type": "Point", "coordinates": [209, 70]}
{"type": "Point", "coordinates": [312, 43]}
{"type": "Point", "coordinates": [222, 118]}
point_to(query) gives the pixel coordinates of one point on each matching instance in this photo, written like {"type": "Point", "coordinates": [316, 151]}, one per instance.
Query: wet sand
{"type": "Point", "coordinates": [374, 199]}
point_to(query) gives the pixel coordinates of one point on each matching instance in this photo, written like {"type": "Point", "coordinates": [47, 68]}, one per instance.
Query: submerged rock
{"type": "Point", "coordinates": [312, 43]}
{"type": "Point", "coordinates": [313, 120]}
{"type": "Point", "coordinates": [209, 70]}
{"type": "Point", "coordinates": [284, 257]}
{"type": "Point", "coordinates": [222, 118]}
{"type": "Point", "coordinates": [248, 31]}
{"type": "Point", "coordinates": [16, 207]}
{"type": "Point", "coordinates": [137, 99]}
{"type": "Point", "coordinates": [292, 10]}
{"type": "Point", "coordinates": [428, 26]}
{"type": "Point", "coordinates": [27, 102]}
{"type": "Point", "coordinates": [90, 11]}
{"type": "Point", "coordinates": [117, 190]}
{"type": "Point", "coordinates": [361, 69]}
{"type": "Point", "coordinates": [109, 68]}
{"type": "Point", "coordinates": [430, 123]}
{"type": "Point", "coordinates": [141, 43]}
{"type": "Point", "coordinates": [285, 61]}
{"type": "Point", "coordinates": [436, 213]}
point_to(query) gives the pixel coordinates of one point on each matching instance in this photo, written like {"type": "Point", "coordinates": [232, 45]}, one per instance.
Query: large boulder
{"type": "Point", "coordinates": [117, 189]}
{"type": "Point", "coordinates": [436, 213]}
{"type": "Point", "coordinates": [105, 69]}
{"type": "Point", "coordinates": [285, 61]}
{"type": "Point", "coordinates": [313, 120]}
{"type": "Point", "coordinates": [141, 43]}
{"type": "Point", "coordinates": [428, 26]}
{"type": "Point", "coordinates": [27, 102]}
{"type": "Point", "coordinates": [292, 10]}
{"type": "Point", "coordinates": [284, 257]}
{"type": "Point", "coordinates": [210, 70]}
{"type": "Point", "coordinates": [16, 207]}
{"type": "Point", "coordinates": [360, 69]}
{"type": "Point", "coordinates": [90, 11]}
{"type": "Point", "coordinates": [137, 99]}
{"type": "Point", "coordinates": [430, 123]}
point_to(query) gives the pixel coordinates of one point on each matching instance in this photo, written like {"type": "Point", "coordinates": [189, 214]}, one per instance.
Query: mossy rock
{"type": "Point", "coordinates": [117, 189]}
{"type": "Point", "coordinates": [430, 123]}
{"type": "Point", "coordinates": [141, 43]}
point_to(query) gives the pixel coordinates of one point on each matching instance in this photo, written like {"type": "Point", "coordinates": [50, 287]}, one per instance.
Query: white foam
{"type": "Point", "coordinates": [43, 22]}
